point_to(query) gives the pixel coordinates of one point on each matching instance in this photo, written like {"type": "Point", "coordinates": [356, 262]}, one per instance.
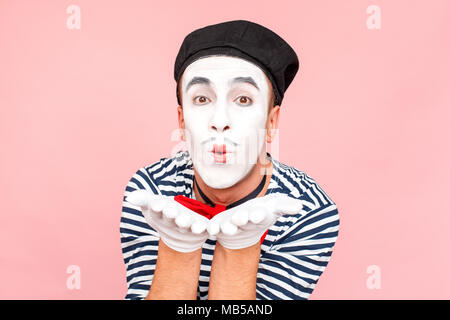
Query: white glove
{"type": "Point", "coordinates": [180, 228]}
{"type": "Point", "coordinates": [243, 226]}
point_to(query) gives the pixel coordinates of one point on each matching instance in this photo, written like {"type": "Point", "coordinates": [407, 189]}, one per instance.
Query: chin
{"type": "Point", "coordinates": [215, 184]}
{"type": "Point", "coordinates": [222, 177]}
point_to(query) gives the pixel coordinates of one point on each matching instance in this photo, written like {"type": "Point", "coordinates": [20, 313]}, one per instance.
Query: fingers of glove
{"type": "Point", "coordinates": [198, 226]}
{"type": "Point", "coordinates": [240, 218]}
{"type": "Point", "coordinates": [258, 214]}
{"type": "Point", "coordinates": [183, 220]}
{"type": "Point", "coordinates": [170, 210]}
{"type": "Point", "coordinates": [157, 204]}
{"type": "Point", "coordinates": [213, 228]}
{"type": "Point", "coordinates": [228, 228]}
{"type": "Point", "coordinates": [288, 205]}
{"type": "Point", "coordinates": [139, 198]}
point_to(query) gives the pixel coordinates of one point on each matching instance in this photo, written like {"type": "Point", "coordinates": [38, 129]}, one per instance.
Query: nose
{"type": "Point", "coordinates": [220, 120]}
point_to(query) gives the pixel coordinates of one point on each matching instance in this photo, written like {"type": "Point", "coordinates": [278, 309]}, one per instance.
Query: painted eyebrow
{"type": "Point", "coordinates": [198, 80]}
{"type": "Point", "coordinates": [207, 82]}
{"type": "Point", "coordinates": [248, 80]}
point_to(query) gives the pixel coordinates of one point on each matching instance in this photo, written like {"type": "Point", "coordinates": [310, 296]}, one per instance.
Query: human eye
{"type": "Point", "coordinates": [200, 100]}
{"type": "Point", "coordinates": [244, 101]}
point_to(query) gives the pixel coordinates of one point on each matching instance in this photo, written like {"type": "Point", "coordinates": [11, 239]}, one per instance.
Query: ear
{"type": "Point", "coordinates": [272, 123]}
{"type": "Point", "coordinates": [181, 122]}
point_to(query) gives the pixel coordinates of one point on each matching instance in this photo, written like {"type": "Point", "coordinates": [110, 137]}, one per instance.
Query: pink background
{"type": "Point", "coordinates": [81, 110]}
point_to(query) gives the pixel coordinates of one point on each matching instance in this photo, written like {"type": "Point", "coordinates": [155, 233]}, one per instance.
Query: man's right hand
{"type": "Point", "coordinates": [180, 228]}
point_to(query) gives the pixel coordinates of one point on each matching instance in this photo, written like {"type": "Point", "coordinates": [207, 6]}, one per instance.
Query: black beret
{"type": "Point", "coordinates": [246, 40]}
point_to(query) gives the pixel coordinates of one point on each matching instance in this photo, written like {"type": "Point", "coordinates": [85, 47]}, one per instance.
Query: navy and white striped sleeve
{"type": "Point", "coordinates": [291, 267]}
{"type": "Point", "coordinates": [139, 241]}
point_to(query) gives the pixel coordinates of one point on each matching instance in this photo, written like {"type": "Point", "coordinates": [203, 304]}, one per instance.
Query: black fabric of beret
{"type": "Point", "coordinates": [246, 40]}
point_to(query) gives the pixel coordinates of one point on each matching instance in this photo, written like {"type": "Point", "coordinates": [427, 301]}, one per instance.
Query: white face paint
{"type": "Point", "coordinates": [225, 117]}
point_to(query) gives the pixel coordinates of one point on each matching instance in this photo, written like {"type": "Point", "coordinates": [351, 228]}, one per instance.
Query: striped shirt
{"type": "Point", "coordinates": [294, 253]}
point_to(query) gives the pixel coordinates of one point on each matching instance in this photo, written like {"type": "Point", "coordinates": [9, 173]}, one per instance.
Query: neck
{"type": "Point", "coordinates": [234, 193]}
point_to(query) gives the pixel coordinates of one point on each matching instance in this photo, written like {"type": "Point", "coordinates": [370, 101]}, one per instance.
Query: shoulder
{"type": "Point", "coordinates": [297, 247]}
{"type": "Point", "coordinates": [297, 184]}
{"type": "Point", "coordinates": [168, 176]}
{"type": "Point", "coordinates": [319, 211]}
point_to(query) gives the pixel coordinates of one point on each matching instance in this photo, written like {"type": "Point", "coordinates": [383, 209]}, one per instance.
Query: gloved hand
{"type": "Point", "coordinates": [180, 228]}
{"type": "Point", "coordinates": [242, 226]}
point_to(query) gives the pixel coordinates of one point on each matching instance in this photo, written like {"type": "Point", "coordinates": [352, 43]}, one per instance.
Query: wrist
{"type": "Point", "coordinates": [225, 252]}
{"type": "Point", "coordinates": [165, 250]}
{"type": "Point", "coordinates": [176, 274]}
{"type": "Point", "coordinates": [234, 272]}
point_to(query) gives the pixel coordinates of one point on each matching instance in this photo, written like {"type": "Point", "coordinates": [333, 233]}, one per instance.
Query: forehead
{"type": "Point", "coordinates": [220, 69]}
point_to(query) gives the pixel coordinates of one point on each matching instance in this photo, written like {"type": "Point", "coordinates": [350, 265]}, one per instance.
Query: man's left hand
{"type": "Point", "coordinates": [242, 226]}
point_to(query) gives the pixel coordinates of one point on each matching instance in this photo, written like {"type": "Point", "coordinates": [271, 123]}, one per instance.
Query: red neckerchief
{"type": "Point", "coordinates": [200, 207]}
{"type": "Point", "coordinates": [203, 209]}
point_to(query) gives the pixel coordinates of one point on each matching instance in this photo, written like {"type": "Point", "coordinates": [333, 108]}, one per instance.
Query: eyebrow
{"type": "Point", "coordinates": [248, 80]}
{"type": "Point", "coordinates": [207, 82]}
{"type": "Point", "coordinates": [198, 80]}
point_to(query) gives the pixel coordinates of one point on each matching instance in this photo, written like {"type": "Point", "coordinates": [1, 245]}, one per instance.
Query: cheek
{"type": "Point", "coordinates": [250, 122]}
{"type": "Point", "coordinates": [191, 118]}
{"type": "Point", "coordinates": [194, 122]}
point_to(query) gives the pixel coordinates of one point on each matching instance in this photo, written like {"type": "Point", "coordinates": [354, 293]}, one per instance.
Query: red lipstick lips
{"type": "Point", "coordinates": [220, 153]}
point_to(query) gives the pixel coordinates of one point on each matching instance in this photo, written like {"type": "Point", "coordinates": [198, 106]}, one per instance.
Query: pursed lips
{"type": "Point", "coordinates": [217, 148]}
{"type": "Point", "coordinates": [220, 153]}
{"type": "Point", "coordinates": [220, 150]}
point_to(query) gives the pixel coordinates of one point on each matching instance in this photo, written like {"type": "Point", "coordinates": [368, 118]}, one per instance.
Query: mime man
{"type": "Point", "coordinates": [223, 219]}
